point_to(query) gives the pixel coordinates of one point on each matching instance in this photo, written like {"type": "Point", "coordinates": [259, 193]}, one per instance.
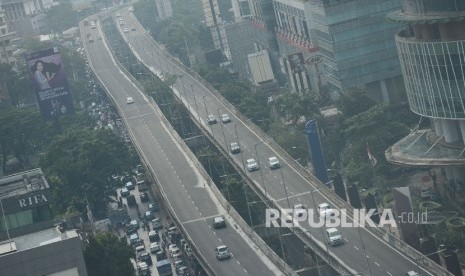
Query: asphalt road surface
{"type": "Point", "coordinates": [187, 194]}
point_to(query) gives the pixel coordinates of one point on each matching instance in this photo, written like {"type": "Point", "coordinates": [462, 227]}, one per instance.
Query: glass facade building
{"type": "Point", "coordinates": [358, 46]}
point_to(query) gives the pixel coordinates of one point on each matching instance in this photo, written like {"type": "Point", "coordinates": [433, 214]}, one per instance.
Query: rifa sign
{"type": "Point", "coordinates": [32, 200]}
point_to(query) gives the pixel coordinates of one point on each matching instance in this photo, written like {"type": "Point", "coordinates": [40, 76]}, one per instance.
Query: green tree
{"type": "Point", "coordinates": [107, 255]}
{"type": "Point", "coordinates": [78, 164]}
{"type": "Point", "coordinates": [354, 102]}
{"type": "Point", "coordinates": [376, 127]}
{"type": "Point", "coordinates": [22, 131]}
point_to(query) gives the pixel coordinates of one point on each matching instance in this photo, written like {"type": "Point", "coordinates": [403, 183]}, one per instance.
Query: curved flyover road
{"type": "Point", "coordinates": [363, 252]}
{"type": "Point", "coordinates": [187, 191]}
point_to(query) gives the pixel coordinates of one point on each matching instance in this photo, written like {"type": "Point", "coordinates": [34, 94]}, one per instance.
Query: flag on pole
{"type": "Point", "coordinates": [371, 157]}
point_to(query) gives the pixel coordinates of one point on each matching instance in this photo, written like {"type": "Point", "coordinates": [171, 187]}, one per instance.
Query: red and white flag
{"type": "Point", "coordinates": [371, 157]}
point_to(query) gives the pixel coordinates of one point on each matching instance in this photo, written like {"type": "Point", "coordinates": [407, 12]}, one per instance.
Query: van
{"type": "Point", "coordinates": [156, 224]}
{"type": "Point", "coordinates": [154, 247]}
{"type": "Point", "coordinates": [153, 236]}
{"type": "Point", "coordinates": [139, 250]}
{"type": "Point", "coordinates": [219, 222]}
{"type": "Point", "coordinates": [133, 238]}
{"type": "Point", "coordinates": [142, 186]}
{"type": "Point", "coordinates": [131, 200]}
{"type": "Point", "coordinates": [334, 237]}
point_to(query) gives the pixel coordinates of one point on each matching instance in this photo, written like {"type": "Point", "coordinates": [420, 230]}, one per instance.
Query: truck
{"type": "Point", "coordinates": [143, 268]}
{"type": "Point", "coordinates": [131, 200]}
{"type": "Point", "coordinates": [164, 268]}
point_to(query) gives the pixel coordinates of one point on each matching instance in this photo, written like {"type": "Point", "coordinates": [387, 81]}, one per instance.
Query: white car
{"type": "Point", "coordinates": [222, 252]}
{"type": "Point", "coordinates": [252, 165]}
{"type": "Point", "coordinates": [129, 100]}
{"type": "Point", "coordinates": [273, 162]}
{"type": "Point", "coordinates": [225, 118]}
{"type": "Point", "coordinates": [334, 237]}
{"type": "Point", "coordinates": [235, 148]}
{"type": "Point", "coordinates": [325, 210]}
{"type": "Point", "coordinates": [412, 273]}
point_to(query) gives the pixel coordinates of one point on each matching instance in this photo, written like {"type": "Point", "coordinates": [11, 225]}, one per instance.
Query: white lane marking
{"type": "Point", "coordinates": [202, 218]}
{"type": "Point", "coordinates": [355, 247]}
{"type": "Point", "coordinates": [389, 273]}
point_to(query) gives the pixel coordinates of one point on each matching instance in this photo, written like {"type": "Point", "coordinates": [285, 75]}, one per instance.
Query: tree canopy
{"type": "Point", "coordinates": [107, 255]}
{"type": "Point", "coordinates": [78, 164]}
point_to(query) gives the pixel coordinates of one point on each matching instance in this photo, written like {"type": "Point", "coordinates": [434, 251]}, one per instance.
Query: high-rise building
{"type": "Point", "coordinates": [431, 50]}
{"type": "Point", "coordinates": [356, 43]}
{"type": "Point", "coordinates": [300, 59]}
{"type": "Point", "coordinates": [215, 24]}
{"type": "Point", "coordinates": [164, 9]}
{"type": "Point", "coordinates": [6, 55]}
{"type": "Point", "coordinates": [26, 17]}
{"type": "Point", "coordinates": [254, 50]}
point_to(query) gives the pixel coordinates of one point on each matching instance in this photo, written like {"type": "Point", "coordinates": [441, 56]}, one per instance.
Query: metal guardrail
{"type": "Point", "coordinates": [393, 241]}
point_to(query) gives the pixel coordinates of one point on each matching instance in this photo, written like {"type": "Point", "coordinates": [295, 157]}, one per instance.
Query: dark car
{"type": "Point", "coordinates": [211, 119]}
{"type": "Point", "coordinates": [145, 257]}
{"type": "Point", "coordinates": [161, 255]}
{"type": "Point", "coordinates": [153, 207]}
{"type": "Point", "coordinates": [144, 197]}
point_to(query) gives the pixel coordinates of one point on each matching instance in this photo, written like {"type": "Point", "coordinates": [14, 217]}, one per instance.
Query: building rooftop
{"type": "Point", "coordinates": [418, 149]}
{"type": "Point", "coordinates": [36, 239]}
{"type": "Point", "coordinates": [22, 183]}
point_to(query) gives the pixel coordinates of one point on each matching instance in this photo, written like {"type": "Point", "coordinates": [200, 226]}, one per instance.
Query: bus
{"type": "Point", "coordinates": [164, 268]}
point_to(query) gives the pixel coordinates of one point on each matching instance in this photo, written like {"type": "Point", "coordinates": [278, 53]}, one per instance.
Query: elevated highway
{"type": "Point", "coordinates": [182, 183]}
{"type": "Point", "coordinates": [365, 252]}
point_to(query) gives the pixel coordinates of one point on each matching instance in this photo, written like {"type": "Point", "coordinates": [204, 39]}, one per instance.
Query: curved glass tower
{"type": "Point", "coordinates": [431, 51]}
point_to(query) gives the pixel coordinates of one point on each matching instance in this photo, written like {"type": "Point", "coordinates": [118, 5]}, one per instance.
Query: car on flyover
{"type": "Point", "coordinates": [129, 100]}
{"type": "Point", "coordinates": [211, 119]}
{"type": "Point", "coordinates": [273, 162]}
{"type": "Point", "coordinates": [225, 118]}
{"type": "Point", "coordinates": [235, 148]}
{"type": "Point", "coordinates": [252, 165]}
{"type": "Point", "coordinates": [222, 253]}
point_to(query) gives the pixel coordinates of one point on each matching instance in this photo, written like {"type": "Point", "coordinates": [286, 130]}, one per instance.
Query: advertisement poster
{"type": "Point", "coordinates": [50, 83]}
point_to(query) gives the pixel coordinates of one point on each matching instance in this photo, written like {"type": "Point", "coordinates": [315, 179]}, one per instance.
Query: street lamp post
{"type": "Point", "coordinates": [285, 189]}
{"type": "Point", "coordinates": [259, 165]}
{"type": "Point", "coordinates": [421, 257]}
{"type": "Point", "coordinates": [247, 202]}
{"type": "Point", "coordinates": [206, 110]}
{"type": "Point", "coordinates": [315, 208]}
{"type": "Point", "coordinates": [195, 101]}
{"type": "Point", "coordinates": [222, 128]}
{"type": "Point", "coordinates": [237, 139]}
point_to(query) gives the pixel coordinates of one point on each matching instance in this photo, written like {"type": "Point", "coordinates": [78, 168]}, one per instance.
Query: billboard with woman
{"type": "Point", "coordinates": [50, 83]}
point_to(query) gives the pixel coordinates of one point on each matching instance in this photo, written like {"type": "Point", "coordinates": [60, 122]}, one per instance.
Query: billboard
{"type": "Point", "coordinates": [50, 83]}
{"type": "Point", "coordinates": [296, 62]}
